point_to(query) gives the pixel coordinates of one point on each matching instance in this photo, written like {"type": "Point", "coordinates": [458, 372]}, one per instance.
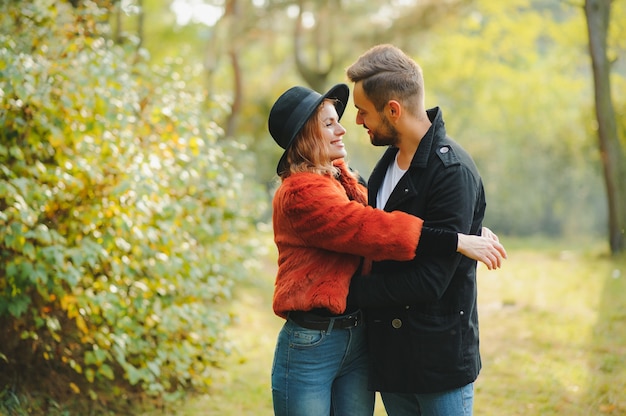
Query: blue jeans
{"type": "Point", "coordinates": [320, 373]}
{"type": "Point", "coordinates": [457, 402]}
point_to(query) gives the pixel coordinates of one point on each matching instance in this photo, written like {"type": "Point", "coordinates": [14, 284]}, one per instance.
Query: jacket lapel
{"type": "Point", "coordinates": [378, 174]}
{"type": "Point", "coordinates": [404, 189]}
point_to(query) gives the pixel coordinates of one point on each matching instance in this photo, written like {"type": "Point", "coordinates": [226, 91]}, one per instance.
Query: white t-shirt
{"type": "Point", "coordinates": [393, 175]}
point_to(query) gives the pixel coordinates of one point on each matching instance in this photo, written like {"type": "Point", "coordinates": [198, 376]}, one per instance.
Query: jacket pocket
{"type": "Point", "coordinates": [437, 342]}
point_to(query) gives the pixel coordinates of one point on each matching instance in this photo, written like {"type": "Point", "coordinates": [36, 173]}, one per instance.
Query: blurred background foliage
{"type": "Point", "coordinates": [124, 220]}
{"type": "Point", "coordinates": [136, 169]}
{"type": "Point", "coordinates": [513, 78]}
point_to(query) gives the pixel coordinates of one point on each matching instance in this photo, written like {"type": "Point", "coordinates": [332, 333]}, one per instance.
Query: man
{"type": "Point", "coordinates": [421, 314]}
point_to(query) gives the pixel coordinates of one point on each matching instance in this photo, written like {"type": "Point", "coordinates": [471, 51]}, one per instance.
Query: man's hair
{"type": "Point", "coordinates": [309, 153]}
{"type": "Point", "coordinates": [387, 73]}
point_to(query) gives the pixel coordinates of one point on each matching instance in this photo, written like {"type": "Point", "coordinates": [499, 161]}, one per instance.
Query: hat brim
{"type": "Point", "coordinates": [340, 93]}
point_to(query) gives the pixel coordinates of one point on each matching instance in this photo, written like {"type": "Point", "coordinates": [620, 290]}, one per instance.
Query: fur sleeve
{"type": "Point", "coordinates": [314, 210]}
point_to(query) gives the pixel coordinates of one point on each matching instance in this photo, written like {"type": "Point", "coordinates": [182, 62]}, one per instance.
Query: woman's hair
{"type": "Point", "coordinates": [387, 73]}
{"type": "Point", "coordinates": [309, 153]}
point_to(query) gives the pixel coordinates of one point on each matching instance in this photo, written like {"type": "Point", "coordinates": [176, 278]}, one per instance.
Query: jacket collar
{"type": "Point", "coordinates": [435, 133]}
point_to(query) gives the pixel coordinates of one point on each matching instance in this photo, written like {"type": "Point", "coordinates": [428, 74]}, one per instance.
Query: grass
{"type": "Point", "coordinates": [553, 335]}
{"type": "Point", "coordinates": [553, 338]}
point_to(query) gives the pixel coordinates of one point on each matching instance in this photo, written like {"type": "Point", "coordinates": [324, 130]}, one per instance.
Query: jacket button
{"type": "Point", "coordinates": [396, 323]}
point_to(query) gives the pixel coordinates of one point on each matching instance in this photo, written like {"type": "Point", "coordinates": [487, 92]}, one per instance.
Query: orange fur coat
{"type": "Point", "coordinates": [322, 229]}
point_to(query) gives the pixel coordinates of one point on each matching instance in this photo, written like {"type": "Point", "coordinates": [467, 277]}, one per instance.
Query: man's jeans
{"type": "Point", "coordinates": [457, 402]}
{"type": "Point", "coordinates": [320, 373]}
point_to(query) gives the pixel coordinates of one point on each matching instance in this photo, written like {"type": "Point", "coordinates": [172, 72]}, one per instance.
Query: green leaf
{"type": "Point", "coordinates": [29, 251]}
{"type": "Point", "coordinates": [18, 305]}
{"type": "Point", "coordinates": [90, 375]}
{"type": "Point", "coordinates": [106, 371]}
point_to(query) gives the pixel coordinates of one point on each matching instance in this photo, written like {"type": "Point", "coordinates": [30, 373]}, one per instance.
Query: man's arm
{"type": "Point", "coordinates": [451, 206]}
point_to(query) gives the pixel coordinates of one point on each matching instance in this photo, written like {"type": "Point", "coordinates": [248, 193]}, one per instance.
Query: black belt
{"type": "Point", "coordinates": [312, 321]}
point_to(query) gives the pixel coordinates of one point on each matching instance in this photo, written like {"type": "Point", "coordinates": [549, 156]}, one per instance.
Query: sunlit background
{"type": "Point", "coordinates": [136, 177]}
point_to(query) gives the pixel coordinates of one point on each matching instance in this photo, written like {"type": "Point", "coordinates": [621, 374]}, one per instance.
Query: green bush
{"type": "Point", "coordinates": [124, 219]}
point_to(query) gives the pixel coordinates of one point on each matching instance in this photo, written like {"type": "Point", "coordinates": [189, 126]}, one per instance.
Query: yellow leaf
{"type": "Point", "coordinates": [80, 323]}
{"type": "Point", "coordinates": [74, 388]}
{"type": "Point", "coordinates": [67, 300]}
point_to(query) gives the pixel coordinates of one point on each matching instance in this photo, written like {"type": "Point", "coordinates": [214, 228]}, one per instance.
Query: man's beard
{"type": "Point", "coordinates": [386, 135]}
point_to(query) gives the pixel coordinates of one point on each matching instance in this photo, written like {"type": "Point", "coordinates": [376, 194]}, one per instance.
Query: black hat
{"type": "Point", "coordinates": [292, 110]}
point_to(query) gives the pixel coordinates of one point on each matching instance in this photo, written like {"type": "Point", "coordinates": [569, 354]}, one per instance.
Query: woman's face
{"type": "Point", "coordinates": [332, 132]}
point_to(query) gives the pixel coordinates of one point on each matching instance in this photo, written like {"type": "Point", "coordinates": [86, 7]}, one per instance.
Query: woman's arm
{"type": "Point", "coordinates": [313, 210]}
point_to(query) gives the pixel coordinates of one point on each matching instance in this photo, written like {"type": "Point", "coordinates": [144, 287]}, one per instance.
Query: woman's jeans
{"type": "Point", "coordinates": [457, 402]}
{"type": "Point", "coordinates": [319, 373]}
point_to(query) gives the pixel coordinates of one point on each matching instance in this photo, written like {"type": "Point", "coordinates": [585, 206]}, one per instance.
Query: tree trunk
{"type": "Point", "coordinates": [315, 75]}
{"type": "Point", "coordinates": [235, 108]}
{"type": "Point", "coordinates": [597, 13]}
{"type": "Point", "coordinates": [232, 17]}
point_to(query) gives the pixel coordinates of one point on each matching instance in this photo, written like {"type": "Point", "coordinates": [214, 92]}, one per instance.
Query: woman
{"type": "Point", "coordinates": [323, 229]}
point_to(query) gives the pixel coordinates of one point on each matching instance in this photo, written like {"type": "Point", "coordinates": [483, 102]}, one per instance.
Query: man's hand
{"type": "Point", "coordinates": [485, 248]}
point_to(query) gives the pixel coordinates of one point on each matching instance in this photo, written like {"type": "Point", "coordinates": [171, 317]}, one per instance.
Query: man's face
{"type": "Point", "coordinates": [380, 130]}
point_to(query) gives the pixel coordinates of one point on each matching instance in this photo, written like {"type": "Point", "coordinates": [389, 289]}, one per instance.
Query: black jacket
{"type": "Point", "coordinates": [421, 315]}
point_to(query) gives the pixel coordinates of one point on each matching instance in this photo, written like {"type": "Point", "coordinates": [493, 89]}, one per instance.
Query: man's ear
{"type": "Point", "coordinates": [394, 110]}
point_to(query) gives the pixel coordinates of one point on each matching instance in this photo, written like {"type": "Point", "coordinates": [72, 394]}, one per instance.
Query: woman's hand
{"type": "Point", "coordinates": [485, 248]}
